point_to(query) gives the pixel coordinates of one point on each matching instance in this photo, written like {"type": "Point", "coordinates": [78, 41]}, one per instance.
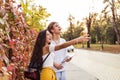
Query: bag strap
{"type": "Point", "coordinates": [45, 58]}
{"type": "Point", "coordinates": [31, 63]}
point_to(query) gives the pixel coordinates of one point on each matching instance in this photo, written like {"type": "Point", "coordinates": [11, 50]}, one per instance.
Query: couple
{"type": "Point", "coordinates": [48, 42]}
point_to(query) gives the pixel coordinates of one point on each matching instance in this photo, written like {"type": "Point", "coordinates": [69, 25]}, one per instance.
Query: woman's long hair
{"type": "Point", "coordinates": [36, 59]}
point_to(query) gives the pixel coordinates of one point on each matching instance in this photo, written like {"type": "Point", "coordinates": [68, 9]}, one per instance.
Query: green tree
{"type": "Point", "coordinates": [71, 20]}
{"type": "Point", "coordinates": [36, 16]}
{"type": "Point", "coordinates": [88, 23]}
{"type": "Point", "coordinates": [112, 5]}
{"type": "Point", "coordinates": [76, 31]}
{"type": "Point", "coordinates": [110, 35]}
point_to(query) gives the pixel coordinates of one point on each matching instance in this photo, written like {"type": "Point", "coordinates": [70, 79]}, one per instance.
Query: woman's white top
{"type": "Point", "coordinates": [49, 61]}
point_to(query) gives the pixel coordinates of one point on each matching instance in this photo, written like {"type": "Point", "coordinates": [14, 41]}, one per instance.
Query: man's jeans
{"type": "Point", "coordinates": [61, 75]}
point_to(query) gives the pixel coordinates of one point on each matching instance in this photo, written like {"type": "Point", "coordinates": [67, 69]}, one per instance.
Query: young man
{"type": "Point", "coordinates": [60, 55]}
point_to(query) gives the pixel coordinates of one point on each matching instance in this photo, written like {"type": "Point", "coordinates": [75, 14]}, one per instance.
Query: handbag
{"type": "Point", "coordinates": [32, 73]}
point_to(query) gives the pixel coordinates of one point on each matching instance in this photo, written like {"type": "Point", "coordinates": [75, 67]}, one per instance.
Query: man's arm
{"type": "Point", "coordinates": [57, 66]}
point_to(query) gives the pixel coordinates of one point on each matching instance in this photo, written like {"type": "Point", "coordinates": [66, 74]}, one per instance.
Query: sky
{"type": "Point", "coordinates": [60, 9]}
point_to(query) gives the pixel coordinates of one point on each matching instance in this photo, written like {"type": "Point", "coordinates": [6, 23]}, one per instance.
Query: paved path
{"type": "Point", "coordinates": [76, 73]}
{"type": "Point", "coordinates": [104, 66]}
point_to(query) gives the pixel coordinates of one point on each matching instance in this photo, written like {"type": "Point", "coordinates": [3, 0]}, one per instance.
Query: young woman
{"type": "Point", "coordinates": [42, 49]}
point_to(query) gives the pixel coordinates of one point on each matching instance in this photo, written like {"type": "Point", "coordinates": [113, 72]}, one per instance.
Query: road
{"type": "Point", "coordinates": [95, 65]}
{"type": "Point", "coordinates": [76, 73]}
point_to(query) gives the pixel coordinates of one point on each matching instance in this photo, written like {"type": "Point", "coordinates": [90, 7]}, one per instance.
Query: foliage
{"type": "Point", "coordinates": [35, 15]}
{"type": "Point", "coordinates": [77, 29]}
{"type": "Point", "coordinates": [113, 6]}
{"type": "Point", "coordinates": [111, 37]}
{"type": "Point", "coordinates": [16, 41]}
{"type": "Point", "coordinates": [102, 30]}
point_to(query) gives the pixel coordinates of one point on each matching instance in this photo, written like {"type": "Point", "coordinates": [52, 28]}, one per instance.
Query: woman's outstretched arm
{"type": "Point", "coordinates": [72, 42]}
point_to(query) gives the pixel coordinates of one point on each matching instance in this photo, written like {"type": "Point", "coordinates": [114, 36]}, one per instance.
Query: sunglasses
{"type": "Point", "coordinates": [70, 50]}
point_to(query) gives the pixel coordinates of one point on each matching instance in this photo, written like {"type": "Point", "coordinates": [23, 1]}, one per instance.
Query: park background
{"type": "Point", "coordinates": [21, 20]}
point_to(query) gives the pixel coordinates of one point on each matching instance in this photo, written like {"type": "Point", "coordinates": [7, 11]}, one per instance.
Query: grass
{"type": "Point", "coordinates": [107, 48]}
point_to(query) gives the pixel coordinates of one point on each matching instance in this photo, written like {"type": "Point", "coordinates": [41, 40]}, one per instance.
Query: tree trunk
{"type": "Point", "coordinates": [88, 43]}
{"type": "Point", "coordinates": [88, 28]}
{"type": "Point", "coordinates": [114, 23]}
{"type": "Point", "coordinates": [102, 47]}
{"type": "Point", "coordinates": [71, 32]}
